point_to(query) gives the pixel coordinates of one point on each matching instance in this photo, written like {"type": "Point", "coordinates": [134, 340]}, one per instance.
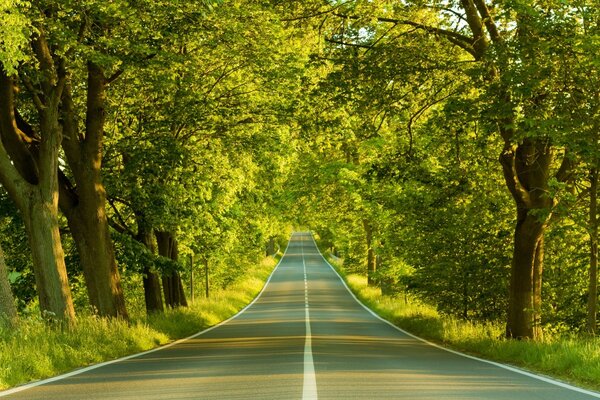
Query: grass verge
{"type": "Point", "coordinates": [569, 358]}
{"type": "Point", "coordinates": [31, 350]}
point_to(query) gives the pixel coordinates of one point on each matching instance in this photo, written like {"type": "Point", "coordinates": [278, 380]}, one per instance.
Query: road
{"type": "Point", "coordinates": [305, 337]}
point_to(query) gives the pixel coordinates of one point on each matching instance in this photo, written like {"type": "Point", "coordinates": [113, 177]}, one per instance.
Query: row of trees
{"type": "Point", "coordinates": [420, 102]}
{"type": "Point", "coordinates": [448, 147]}
{"type": "Point", "coordinates": [156, 126]}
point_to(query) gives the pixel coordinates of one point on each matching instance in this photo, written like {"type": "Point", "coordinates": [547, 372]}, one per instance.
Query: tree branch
{"type": "Point", "coordinates": [361, 46]}
{"type": "Point", "coordinates": [507, 160]}
{"type": "Point", "coordinates": [464, 42]}
{"type": "Point", "coordinates": [480, 43]}
{"type": "Point", "coordinates": [488, 21]}
{"type": "Point", "coordinates": [15, 142]}
{"type": "Point", "coordinates": [122, 226]}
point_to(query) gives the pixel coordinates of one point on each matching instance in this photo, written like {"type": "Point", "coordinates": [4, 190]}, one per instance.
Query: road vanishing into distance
{"type": "Point", "coordinates": [304, 337]}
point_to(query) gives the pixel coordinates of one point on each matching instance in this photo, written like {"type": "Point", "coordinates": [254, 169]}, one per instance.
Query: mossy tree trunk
{"type": "Point", "coordinates": [371, 259]}
{"type": "Point", "coordinates": [85, 206]}
{"type": "Point", "coordinates": [171, 280]}
{"type": "Point", "coordinates": [151, 281]}
{"type": "Point", "coordinates": [29, 173]}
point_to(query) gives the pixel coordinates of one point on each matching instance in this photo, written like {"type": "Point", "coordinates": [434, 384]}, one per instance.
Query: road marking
{"type": "Point", "coordinates": [129, 357]}
{"type": "Point", "coordinates": [309, 388]}
{"type": "Point", "coordinates": [499, 365]}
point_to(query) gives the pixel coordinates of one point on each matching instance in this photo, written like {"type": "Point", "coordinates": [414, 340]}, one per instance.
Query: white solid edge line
{"type": "Point", "coordinates": [496, 364]}
{"type": "Point", "coordinates": [105, 363]}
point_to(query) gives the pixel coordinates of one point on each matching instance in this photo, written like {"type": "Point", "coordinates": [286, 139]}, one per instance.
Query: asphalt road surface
{"type": "Point", "coordinates": [305, 337]}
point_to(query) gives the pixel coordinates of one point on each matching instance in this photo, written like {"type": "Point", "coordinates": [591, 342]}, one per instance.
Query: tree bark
{"type": "Point", "coordinates": [172, 284]}
{"type": "Point", "coordinates": [8, 310]}
{"type": "Point", "coordinates": [271, 246]}
{"type": "Point", "coordinates": [592, 302]}
{"type": "Point", "coordinates": [151, 281]}
{"type": "Point", "coordinates": [538, 268]}
{"type": "Point", "coordinates": [371, 263]}
{"type": "Point", "coordinates": [526, 171]}
{"type": "Point", "coordinates": [41, 222]}
{"type": "Point", "coordinates": [85, 207]}
{"type": "Point", "coordinates": [32, 183]}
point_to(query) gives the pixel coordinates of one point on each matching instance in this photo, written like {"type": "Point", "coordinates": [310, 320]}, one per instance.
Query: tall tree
{"type": "Point", "coordinates": [29, 169]}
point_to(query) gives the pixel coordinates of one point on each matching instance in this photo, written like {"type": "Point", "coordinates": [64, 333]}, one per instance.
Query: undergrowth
{"type": "Point", "coordinates": [32, 350]}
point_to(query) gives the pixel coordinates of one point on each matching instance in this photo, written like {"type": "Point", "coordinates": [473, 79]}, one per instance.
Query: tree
{"type": "Point", "coordinates": [29, 163]}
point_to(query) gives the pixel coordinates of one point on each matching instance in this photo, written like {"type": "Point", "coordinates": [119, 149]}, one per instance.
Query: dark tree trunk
{"type": "Point", "coordinates": [96, 253]}
{"type": "Point", "coordinates": [41, 223]}
{"type": "Point", "coordinates": [85, 207]}
{"type": "Point", "coordinates": [527, 171]}
{"type": "Point", "coordinates": [31, 181]}
{"type": "Point", "coordinates": [271, 246]}
{"type": "Point", "coordinates": [371, 263]}
{"type": "Point", "coordinates": [206, 278]}
{"type": "Point", "coordinates": [152, 292]}
{"type": "Point", "coordinates": [172, 285]}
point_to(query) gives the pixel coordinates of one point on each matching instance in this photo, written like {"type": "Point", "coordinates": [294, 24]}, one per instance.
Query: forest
{"type": "Point", "coordinates": [446, 149]}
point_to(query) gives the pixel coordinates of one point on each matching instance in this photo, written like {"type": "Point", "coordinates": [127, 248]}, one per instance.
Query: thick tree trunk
{"type": "Point", "coordinates": [41, 223]}
{"type": "Point", "coordinates": [172, 285]}
{"type": "Point", "coordinates": [526, 169]}
{"type": "Point", "coordinates": [8, 310]}
{"type": "Point", "coordinates": [85, 207]}
{"type": "Point", "coordinates": [521, 311]}
{"type": "Point", "coordinates": [152, 292]}
{"type": "Point", "coordinates": [371, 263]}
{"type": "Point", "coordinates": [592, 303]}
{"type": "Point", "coordinates": [96, 253]}
{"type": "Point", "coordinates": [32, 183]}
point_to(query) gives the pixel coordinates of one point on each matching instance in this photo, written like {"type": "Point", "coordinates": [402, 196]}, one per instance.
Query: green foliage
{"type": "Point", "coordinates": [15, 29]}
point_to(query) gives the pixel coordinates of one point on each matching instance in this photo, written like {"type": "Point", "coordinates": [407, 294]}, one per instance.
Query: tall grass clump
{"type": "Point", "coordinates": [30, 349]}
{"type": "Point", "coordinates": [575, 359]}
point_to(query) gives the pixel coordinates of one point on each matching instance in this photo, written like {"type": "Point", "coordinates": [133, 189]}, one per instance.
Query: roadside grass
{"type": "Point", "coordinates": [31, 350]}
{"type": "Point", "coordinates": [573, 359]}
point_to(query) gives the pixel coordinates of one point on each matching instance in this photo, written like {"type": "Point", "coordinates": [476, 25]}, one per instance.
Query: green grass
{"type": "Point", "coordinates": [568, 358]}
{"type": "Point", "coordinates": [31, 350]}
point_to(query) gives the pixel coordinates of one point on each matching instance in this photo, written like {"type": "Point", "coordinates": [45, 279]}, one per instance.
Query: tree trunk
{"type": "Point", "coordinates": [520, 323]}
{"type": "Point", "coordinates": [271, 246]}
{"type": "Point", "coordinates": [592, 303]}
{"type": "Point", "coordinates": [538, 268]}
{"type": "Point", "coordinates": [192, 278]}
{"type": "Point", "coordinates": [152, 292]}
{"type": "Point", "coordinates": [371, 264]}
{"type": "Point", "coordinates": [96, 253]}
{"type": "Point", "coordinates": [36, 196]}
{"type": "Point", "coordinates": [172, 285]}
{"type": "Point", "coordinates": [85, 206]}
{"type": "Point", "coordinates": [8, 310]}
{"type": "Point", "coordinates": [41, 222]}
{"type": "Point", "coordinates": [206, 278]}
{"type": "Point", "coordinates": [526, 170]}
